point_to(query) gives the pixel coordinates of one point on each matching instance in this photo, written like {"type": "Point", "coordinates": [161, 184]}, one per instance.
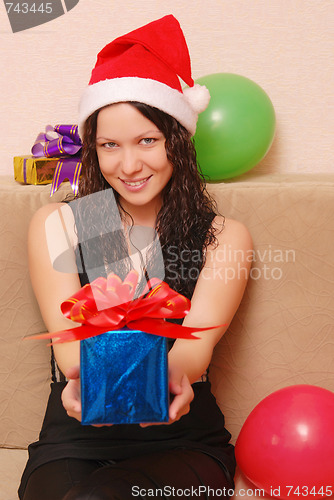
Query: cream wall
{"type": "Point", "coordinates": [286, 46]}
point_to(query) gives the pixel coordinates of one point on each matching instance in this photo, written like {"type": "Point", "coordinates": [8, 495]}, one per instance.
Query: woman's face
{"type": "Point", "coordinates": [132, 157]}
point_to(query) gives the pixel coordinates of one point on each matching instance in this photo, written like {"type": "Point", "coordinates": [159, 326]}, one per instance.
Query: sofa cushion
{"type": "Point", "coordinates": [12, 463]}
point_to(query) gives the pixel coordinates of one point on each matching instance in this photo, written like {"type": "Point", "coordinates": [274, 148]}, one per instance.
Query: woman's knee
{"type": "Point", "coordinates": [83, 492]}
{"type": "Point", "coordinates": [105, 484]}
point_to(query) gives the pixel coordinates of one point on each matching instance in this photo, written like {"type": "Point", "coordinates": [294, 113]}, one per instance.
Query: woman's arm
{"type": "Point", "coordinates": [51, 235]}
{"type": "Point", "coordinates": [216, 298]}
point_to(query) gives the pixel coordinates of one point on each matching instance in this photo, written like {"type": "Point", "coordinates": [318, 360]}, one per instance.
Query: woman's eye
{"type": "Point", "coordinates": [148, 140]}
{"type": "Point", "coordinates": [109, 145]}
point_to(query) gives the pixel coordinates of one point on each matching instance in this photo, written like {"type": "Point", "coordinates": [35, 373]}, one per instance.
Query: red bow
{"type": "Point", "coordinates": [107, 304]}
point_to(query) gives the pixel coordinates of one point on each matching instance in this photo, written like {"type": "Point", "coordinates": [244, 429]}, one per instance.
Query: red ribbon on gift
{"type": "Point", "coordinates": [107, 304]}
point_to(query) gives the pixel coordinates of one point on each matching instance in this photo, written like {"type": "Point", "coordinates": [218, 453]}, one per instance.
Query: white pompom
{"type": "Point", "coordinates": [198, 97]}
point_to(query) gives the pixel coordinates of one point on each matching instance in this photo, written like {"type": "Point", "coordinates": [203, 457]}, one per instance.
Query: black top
{"type": "Point", "coordinates": [64, 437]}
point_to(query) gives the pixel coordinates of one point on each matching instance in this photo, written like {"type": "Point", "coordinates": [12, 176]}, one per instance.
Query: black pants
{"type": "Point", "coordinates": [163, 475]}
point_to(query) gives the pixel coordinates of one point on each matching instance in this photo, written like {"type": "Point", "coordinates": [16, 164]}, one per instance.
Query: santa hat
{"type": "Point", "coordinates": [145, 66]}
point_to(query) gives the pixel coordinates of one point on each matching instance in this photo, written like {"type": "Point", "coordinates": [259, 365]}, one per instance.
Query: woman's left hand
{"type": "Point", "coordinates": [180, 388]}
{"type": "Point", "coordinates": [183, 396]}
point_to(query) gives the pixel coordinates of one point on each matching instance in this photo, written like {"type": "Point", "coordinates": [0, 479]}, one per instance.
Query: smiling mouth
{"type": "Point", "coordinates": [136, 183]}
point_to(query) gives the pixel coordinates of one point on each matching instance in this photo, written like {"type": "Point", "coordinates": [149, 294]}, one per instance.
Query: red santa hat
{"type": "Point", "coordinates": [145, 66]}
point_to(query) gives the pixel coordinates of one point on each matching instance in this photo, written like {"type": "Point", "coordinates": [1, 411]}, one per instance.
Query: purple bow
{"type": "Point", "coordinates": [67, 142]}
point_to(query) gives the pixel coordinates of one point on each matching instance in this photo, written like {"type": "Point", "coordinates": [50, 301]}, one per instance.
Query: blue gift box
{"type": "Point", "coordinates": [124, 378]}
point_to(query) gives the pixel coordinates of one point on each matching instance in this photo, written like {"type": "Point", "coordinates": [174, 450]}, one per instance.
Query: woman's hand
{"type": "Point", "coordinates": [180, 388]}
{"type": "Point", "coordinates": [71, 397]}
{"type": "Point", "coordinates": [183, 395]}
{"type": "Point", "coordinates": [71, 394]}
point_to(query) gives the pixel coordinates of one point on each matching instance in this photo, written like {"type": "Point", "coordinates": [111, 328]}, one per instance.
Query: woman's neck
{"type": "Point", "coordinates": [140, 216]}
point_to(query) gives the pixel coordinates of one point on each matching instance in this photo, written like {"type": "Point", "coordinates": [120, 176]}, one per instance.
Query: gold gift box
{"type": "Point", "coordinates": [31, 170]}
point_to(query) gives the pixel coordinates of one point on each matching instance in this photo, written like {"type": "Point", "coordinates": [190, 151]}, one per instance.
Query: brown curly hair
{"type": "Point", "coordinates": [184, 222]}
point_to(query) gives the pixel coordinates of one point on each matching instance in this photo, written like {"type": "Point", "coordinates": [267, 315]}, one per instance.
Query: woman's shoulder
{"type": "Point", "coordinates": [44, 211]}
{"type": "Point", "coordinates": [231, 233]}
{"type": "Point", "coordinates": [54, 219]}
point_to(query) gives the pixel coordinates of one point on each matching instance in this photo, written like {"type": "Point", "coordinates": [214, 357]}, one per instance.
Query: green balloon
{"type": "Point", "coordinates": [236, 130]}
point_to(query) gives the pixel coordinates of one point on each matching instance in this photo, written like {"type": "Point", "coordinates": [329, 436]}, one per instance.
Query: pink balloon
{"type": "Point", "coordinates": [286, 445]}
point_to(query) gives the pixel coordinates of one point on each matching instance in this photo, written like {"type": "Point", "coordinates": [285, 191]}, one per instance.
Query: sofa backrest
{"type": "Point", "coordinates": [281, 335]}
{"type": "Point", "coordinates": [283, 332]}
{"type": "Point", "coordinates": [24, 365]}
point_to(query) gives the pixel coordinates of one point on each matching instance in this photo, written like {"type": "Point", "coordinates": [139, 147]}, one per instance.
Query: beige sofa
{"type": "Point", "coordinates": [283, 333]}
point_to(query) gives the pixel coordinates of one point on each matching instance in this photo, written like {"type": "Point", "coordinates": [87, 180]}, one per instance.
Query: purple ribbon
{"type": "Point", "coordinates": [25, 170]}
{"type": "Point", "coordinates": [61, 141]}
{"type": "Point", "coordinates": [68, 168]}
{"type": "Point", "coordinates": [66, 143]}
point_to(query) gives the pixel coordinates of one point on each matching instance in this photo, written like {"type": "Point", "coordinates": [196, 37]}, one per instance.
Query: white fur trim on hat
{"type": "Point", "coordinates": [147, 91]}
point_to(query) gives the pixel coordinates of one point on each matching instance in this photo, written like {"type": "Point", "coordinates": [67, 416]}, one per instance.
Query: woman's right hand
{"type": "Point", "coordinates": [71, 397]}
{"type": "Point", "coordinates": [71, 394]}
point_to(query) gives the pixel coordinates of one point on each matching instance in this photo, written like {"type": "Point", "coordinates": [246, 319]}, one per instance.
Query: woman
{"type": "Point", "coordinates": [139, 171]}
